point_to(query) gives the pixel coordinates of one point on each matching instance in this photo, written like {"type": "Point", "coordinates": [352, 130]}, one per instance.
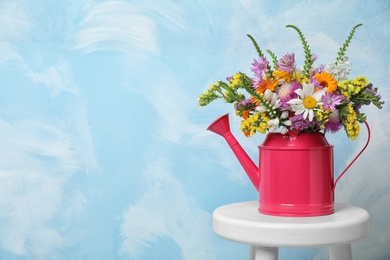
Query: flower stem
{"type": "Point", "coordinates": [343, 49]}
{"type": "Point", "coordinates": [256, 46]}
{"type": "Point", "coordinates": [307, 66]}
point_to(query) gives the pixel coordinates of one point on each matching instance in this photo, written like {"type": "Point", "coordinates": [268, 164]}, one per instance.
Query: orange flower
{"type": "Point", "coordinates": [266, 84]}
{"type": "Point", "coordinates": [255, 101]}
{"type": "Point", "coordinates": [245, 114]}
{"type": "Point", "coordinates": [326, 80]}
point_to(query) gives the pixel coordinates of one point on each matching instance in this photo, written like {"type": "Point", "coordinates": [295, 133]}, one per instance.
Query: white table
{"type": "Point", "coordinates": [241, 222]}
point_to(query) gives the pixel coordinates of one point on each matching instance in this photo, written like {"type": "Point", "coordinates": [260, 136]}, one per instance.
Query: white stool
{"type": "Point", "coordinates": [241, 222]}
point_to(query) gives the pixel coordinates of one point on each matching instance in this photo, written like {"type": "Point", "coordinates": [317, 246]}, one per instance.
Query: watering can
{"type": "Point", "coordinates": [295, 174]}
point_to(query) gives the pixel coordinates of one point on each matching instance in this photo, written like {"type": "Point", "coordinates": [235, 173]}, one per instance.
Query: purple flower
{"type": "Point", "coordinates": [287, 63]}
{"type": "Point", "coordinates": [334, 123]}
{"type": "Point", "coordinates": [330, 101]}
{"type": "Point", "coordinates": [317, 70]}
{"type": "Point", "coordinates": [243, 103]}
{"type": "Point", "coordinates": [313, 58]}
{"type": "Point", "coordinates": [259, 66]}
{"type": "Point", "coordinates": [300, 124]}
{"type": "Point", "coordinates": [315, 82]}
{"type": "Point", "coordinates": [256, 82]}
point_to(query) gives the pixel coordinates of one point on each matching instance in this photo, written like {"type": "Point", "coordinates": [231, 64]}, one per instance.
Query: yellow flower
{"type": "Point", "coordinates": [345, 94]}
{"type": "Point", "coordinates": [322, 115]}
{"type": "Point", "coordinates": [357, 90]}
{"type": "Point", "coordinates": [263, 127]}
{"type": "Point", "coordinates": [350, 109]}
{"type": "Point", "coordinates": [342, 85]}
{"type": "Point", "coordinates": [264, 117]}
{"type": "Point", "coordinates": [254, 123]}
{"type": "Point", "coordinates": [351, 126]}
{"type": "Point", "coordinates": [362, 79]}
{"type": "Point", "coordinates": [301, 78]}
{"type": "Point", "coordinates": [235, 81]}
{"type": "Point", "coordinates": [283, 76]}
{"type": "Point", "coordinates": [354, 132]}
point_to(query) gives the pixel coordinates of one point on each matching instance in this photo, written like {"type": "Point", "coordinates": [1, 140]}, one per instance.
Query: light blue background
{"type": "Point", "coordinates": [103, 149]}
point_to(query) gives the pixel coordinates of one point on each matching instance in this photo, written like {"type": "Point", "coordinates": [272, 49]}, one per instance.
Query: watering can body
{"type": "Point", "coordinates": [295, 176]}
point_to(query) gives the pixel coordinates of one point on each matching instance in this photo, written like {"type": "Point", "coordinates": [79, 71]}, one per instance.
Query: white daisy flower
{"type": "Point", "coordinates": [308, 101]}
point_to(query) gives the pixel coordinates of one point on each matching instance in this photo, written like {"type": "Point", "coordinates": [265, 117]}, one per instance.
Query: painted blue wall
{"type": "Point", "coordinates": [103, 149]}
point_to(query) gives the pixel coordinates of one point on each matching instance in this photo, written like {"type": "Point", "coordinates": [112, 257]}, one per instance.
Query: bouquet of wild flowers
{"type": "Point", "coordinates": [286, 98]}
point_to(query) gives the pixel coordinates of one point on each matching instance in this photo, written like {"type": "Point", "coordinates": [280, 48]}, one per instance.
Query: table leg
{"type": "Point", "coordinates": [340, 252]}
{"type": "Point", "coordinates": [264, 253]}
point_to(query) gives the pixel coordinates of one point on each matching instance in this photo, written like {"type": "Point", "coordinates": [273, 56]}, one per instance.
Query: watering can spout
{"type": "Point", "coordinates": [221, 127]}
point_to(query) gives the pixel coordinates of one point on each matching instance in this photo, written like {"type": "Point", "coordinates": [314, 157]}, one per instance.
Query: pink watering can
{"type": "Point", "coordinates": [295, 174]}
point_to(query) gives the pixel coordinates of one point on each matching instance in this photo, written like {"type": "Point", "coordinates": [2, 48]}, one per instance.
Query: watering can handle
{"type": "Point", "coordinates": [357, 156]}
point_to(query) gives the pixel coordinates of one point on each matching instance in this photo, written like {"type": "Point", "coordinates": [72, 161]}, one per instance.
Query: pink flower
{"type": "Point", "coordinates": [330, 101]}
{"type": "Point", "coordinates": [259, 66]}
{"type": "Point", "coordinates": [287, 63]}
{"type": "Point", "coordinates": [256, 82]}
{"type": "Point", "coordinates": [315, 82]}
{"type": "Point", "coordinates": [334, 123]}
{"type": "Point", "coordinates": [287, 91]}
{"type": "Point", "coordinates": [313, 58]}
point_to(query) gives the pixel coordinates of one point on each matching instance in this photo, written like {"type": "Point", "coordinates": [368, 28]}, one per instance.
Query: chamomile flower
{"type": "Point", "coordinates": [308, 100]}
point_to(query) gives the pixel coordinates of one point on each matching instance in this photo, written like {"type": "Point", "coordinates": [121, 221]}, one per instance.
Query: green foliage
{"type": "Point", "coordinates": [308, 63]}
{"type": "Point", "coordinates": [343, 49]}
{"type": "Point", "coordinates": [274, 59]}
{"type": "Point", "coordinates": [229, 92]}
{"type": "Point", "coordinates": [256, 46]}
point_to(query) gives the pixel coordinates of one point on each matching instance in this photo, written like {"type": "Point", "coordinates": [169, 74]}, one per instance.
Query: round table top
{"type": "Point", "coordinates": [241, 222]}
